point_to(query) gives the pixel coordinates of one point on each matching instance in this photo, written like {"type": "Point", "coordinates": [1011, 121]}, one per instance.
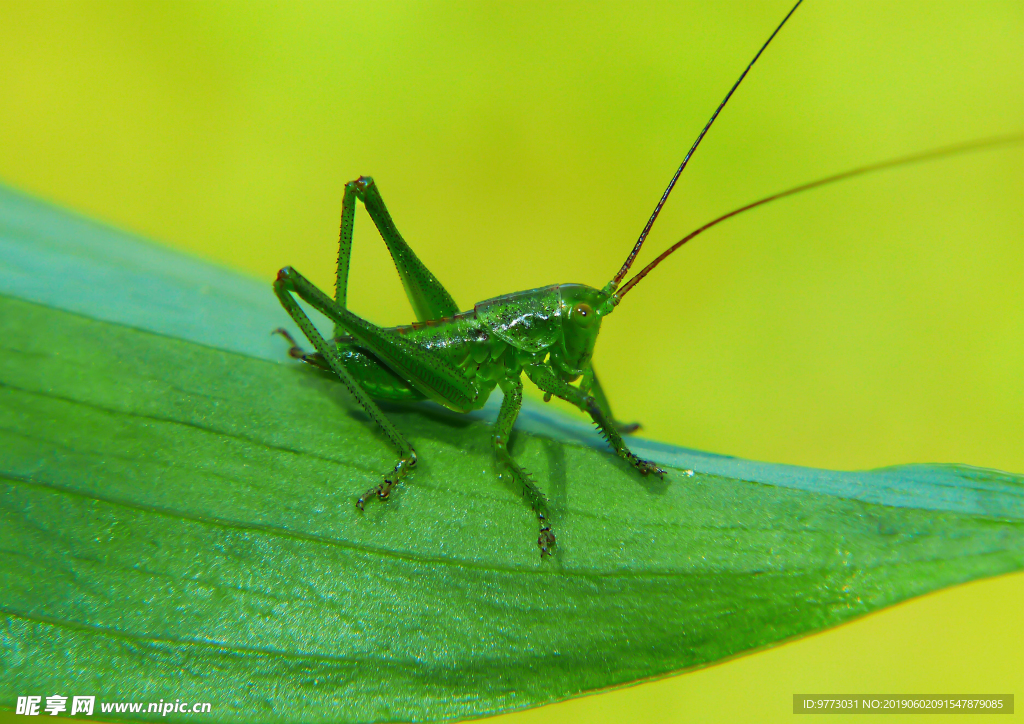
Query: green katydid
{"type": "Point", "coordinates": [456, 358]}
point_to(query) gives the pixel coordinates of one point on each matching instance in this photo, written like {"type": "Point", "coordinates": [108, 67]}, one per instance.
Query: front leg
{"type": "Point", "coordinates": [597, 392]}
{"type": "Point", "coordinates": [509, 470]}
{"type": "Point", "coordinates": [546, 379]}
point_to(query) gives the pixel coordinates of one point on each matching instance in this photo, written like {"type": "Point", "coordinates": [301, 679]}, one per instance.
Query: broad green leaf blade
{"type": "Point", "coordinates": [178, 521]}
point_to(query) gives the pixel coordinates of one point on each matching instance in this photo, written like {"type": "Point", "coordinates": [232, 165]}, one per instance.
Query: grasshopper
{"type": "Point", "coordinates": [457, 358]}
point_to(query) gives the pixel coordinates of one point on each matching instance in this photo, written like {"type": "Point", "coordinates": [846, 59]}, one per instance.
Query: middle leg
{"type": "Point", "coordinates": [509, 470]}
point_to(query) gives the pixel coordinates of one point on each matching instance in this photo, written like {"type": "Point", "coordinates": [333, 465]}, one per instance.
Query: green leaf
{"type": "Point", "coordinates": [179, 520]}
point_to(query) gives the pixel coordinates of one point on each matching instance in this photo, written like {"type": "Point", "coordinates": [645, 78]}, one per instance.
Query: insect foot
{"type": "Point", "coordinates": [383, 491]}
{"type": "Point", "coordinates": [510, 472]}
{"type": "Point", "coordinates": [546, 539]}
{"type": "Point", "coordinates": [646, 467]}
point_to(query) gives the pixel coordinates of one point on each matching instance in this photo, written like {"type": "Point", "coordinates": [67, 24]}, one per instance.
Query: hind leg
{"type": "Point", "coordinates": [289, 281]}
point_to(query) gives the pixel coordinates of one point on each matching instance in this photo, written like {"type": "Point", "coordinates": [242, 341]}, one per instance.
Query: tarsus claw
{"type": "Point", "coordinates": [545, 540]}
{"type": "Point", "coordinates": [646, 467]}
{"type": "Point", "coordinates": [383, 490]}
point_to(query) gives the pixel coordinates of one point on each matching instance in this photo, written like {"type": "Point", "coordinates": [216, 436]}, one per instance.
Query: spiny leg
{"type": "Point", "coordinates": [592, 385]}
{"type": "Point", "coordinates": [512, 387]}
{"type": "Point", "coordinates": [289, 281]}
{"type": "Point", "coordinates": [597, 392]}
{"type": "Point", "coordinates": [429, 299]}
{"type": "Point", "coordinates": [431, 374]}
{"type": "Point", "coordinates": [546, 379]}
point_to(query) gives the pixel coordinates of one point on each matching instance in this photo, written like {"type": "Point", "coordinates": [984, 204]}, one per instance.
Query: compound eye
{"type": "Point", "coordinates": [584, 313]}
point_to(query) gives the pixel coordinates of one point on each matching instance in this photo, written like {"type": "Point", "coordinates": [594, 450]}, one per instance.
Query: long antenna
{"type": "Point", "coordinates": [664, 197]}
{"type": "Point", "coordinates": [913, 158]}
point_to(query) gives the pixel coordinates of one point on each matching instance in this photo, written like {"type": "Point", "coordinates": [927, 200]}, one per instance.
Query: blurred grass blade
{"type": "Point", "coordinates": [178, 520]}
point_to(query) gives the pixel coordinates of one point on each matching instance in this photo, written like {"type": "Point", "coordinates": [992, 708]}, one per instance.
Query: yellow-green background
{"type": "Point", "coordinates": [873, 323]}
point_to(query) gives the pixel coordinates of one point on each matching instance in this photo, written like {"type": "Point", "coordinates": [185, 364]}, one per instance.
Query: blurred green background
{"type": "Point", "coordinates": [876, 322]}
